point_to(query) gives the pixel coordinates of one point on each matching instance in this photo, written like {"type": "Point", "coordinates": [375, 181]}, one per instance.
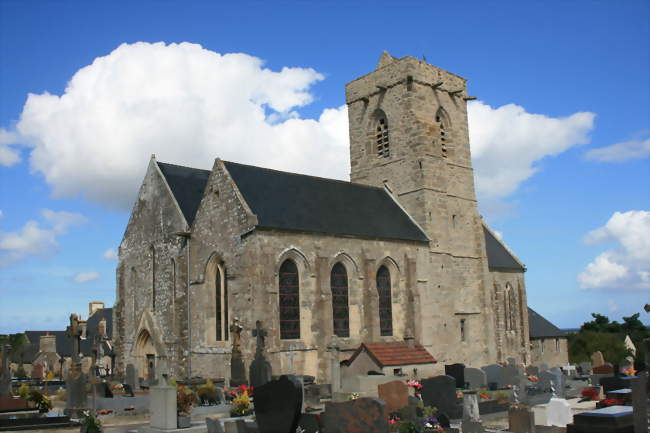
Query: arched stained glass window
{"type": "Point", "coordinates": [340, 308]}
{"type": "Point", "coordinates": [289, 285]}
{"type": "Point", "coordinates": [221, 305]}
{"type": "Point", "coordinates": [385, 302]}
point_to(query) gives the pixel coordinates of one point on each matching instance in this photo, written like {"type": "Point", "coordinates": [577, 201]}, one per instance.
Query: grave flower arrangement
{"type": "Point", "coordinates": [612, 402]}
{"type": "Point", "coordinates": [417, 386]}
{"type": "Point", "coordinates": [629, 371]}
{"type": "Point", "coordinates": [207, 393]}
{"type": "Point", "coordinates": [533, 378]}
{"type": "Point", "coordinates": [241, 402]}
{"type": "Point", "coordinates": [90, 423]}
{"type": "Point", "coordinates": [185, 399]}
{"type": "Point", "coordinates": [40, 400]}
{"type": "Point", "coordinates": [589, 393]}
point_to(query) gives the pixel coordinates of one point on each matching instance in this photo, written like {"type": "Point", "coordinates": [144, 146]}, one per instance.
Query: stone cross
{"type": "Point", "coordinates": [75, 331]}
{"type": "Point", "coordinates": [235, 331]}
{"type": "Point", "coordinates": [259, 333]}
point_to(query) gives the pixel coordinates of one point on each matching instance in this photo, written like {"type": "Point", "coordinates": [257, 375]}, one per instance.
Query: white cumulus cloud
{"type": "Point", "coordinates": [110, 254]}
{"type": "Point", "coordinates": [85, 277]}
{"type": "Point", "coordinates": [620, 152]}
{"type": "Point", "coordinates": [36, 238]}
{"type": "Point", "coordinates": [9, 155]}
{"type": "Point", "coordinates": [186, 104]}
{"type": "Point", "coordinates": [508, 142]}
{"type": "Point", "coordinates": [627, 265]}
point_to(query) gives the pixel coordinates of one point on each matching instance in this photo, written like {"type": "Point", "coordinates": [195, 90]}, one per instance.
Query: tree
{"type": "Point", "coordinates": [584, 343]}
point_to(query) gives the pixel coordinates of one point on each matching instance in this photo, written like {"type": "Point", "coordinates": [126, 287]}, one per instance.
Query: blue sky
{"type": "Point", "coordinates": [560, 131]}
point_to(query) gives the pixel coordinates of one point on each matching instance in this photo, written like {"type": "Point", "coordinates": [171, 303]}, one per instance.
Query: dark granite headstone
{"type": "Point", "coordinates": [546, 378]}
{"type": "Point", "coordinates": [640, 402]}
{"type": "Point", "coordinates": [363, 415]}
{"type": "Point", "coordinates": [131, 376]}
{"type": "Point", "coordinates": [475, 377]}
{"type": "Point", "coordinates": [610, 419]}
{"type": "Point", "coordinates": [440, 392]}
{"type": "Point", "coordinates": [494, 374]}
{"type": "Point", "coordinates": [559, 381]}
{"type": "Point", "coordinates": [510, 375]}
{"type": "Point", "coordinates": [278, 404]}
{"type": "Point", "coordinates": [128, 391]}
{"type": "Point", "coordinates": [103, 390]}
{"type": "Point", "coordinates": [457, 371]}
{"type": "Point", "coordinates": [615, 382]}
{"type": "Point", "coordinates": [309, 423]}
{"type": "Point", "coordinates": [532, 370]}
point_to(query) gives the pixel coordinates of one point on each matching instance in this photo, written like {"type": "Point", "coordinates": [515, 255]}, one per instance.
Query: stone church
{"type": "Point", "coordinates": [399, 251]}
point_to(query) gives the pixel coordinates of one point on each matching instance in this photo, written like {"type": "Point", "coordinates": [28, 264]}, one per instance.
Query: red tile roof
{"type": "Point", "coordinates": [395, 353]}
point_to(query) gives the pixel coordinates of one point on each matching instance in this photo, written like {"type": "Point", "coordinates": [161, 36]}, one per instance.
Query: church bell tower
{"type": "Point", "coordinates": [409, 133]}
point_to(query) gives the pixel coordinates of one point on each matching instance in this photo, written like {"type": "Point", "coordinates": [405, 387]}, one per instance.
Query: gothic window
{"type": "Point", "coordinates": [557, 344]}
{"type": "Point", "coordinates": [510, 307]}
{"type": "Point", "coordinates": [340, 309]}
{"type": "Point", "coordinates": [385, 302]}
{"type": "Point", "coordinates": [442, 120]}
{"type": "Point", "coordinates": [289, 301]}
{"type": "Point", "coordinates": [506, 302]}
{"type": "Point", "coordinates": [462, 329]}
{"type": "Point", "coordinates": [220, 305]}
{"type": "Point", "coordinates": [381, 134]}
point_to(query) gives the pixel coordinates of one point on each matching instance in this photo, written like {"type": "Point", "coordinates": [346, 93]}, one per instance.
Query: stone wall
{"type": "Point", "coordinates": [553, 352]}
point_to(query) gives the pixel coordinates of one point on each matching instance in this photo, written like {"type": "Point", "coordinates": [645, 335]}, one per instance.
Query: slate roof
{"type": "Point", "coordinates": [291, 201]}
{"type": "Point", "coordinates": [188, 185]}
{"type": "Point", "coordinates": [498, 255]}
{"type": "Point", "coordinates": [539, 327]}
{"type": "Point", "coordinates": [394, 353]}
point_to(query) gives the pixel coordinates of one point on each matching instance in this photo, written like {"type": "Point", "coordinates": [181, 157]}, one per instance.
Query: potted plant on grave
{"type": "Point", "coordinates": [241, 402]}
{"type": "Point", "coordinates": [40, 400]}
{"type": "Point", "coordinates": [207, 393]}
{"type": "Point", "coordinates": [185, 398]}
{"type": "Point", "coordinates": [90, 423]}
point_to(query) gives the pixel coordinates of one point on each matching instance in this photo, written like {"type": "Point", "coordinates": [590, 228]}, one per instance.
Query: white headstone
{"type": "Point", "coordinates": [558, 412]}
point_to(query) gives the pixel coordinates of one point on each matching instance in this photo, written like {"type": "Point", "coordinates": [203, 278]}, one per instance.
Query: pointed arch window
{"type": "Point", "coordinates": [382, 141]}
{"type": "Point", "coordinates": [289, 300]}
{"type": "Point", "coordinates": [509, 308]}
{"type": "Point", "coordinates": [221, 305]}
{"type": "Point", "coordinates": [385, 302]}
{"type": "Point", "coordinates": [444, 127]}
{"type": "Point", "coordinates": [153, 278]}
{"type": "Point", "coordinates": [340, 306]}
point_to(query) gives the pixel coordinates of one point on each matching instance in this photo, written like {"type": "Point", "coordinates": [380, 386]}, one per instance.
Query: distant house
{"type": "Point", "coordinates": [46, 349]}
{"type": "Point", "coordinates": [390, 358]}
{"type": "Point", "coordinates": [548, 342]}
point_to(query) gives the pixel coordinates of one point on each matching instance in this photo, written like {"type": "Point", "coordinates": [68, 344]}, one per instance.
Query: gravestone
{"type": "Point", "coordinates": [38, 372]}
{"type": "Point", "coordinates": [558, 412]}
{"type": "Point", "coordinates": [597, 359]}
{"type": "Point", "coordinates": [131, 376]}
{"type": "Point", "coordinates": [278, 404]}
{"type": "Point", "coordinates": [546, 378]}
{"type": "Point", "coordinates": [103, 390]}
{"type": "Point", "coordinates": [5, 374]}
{"type": "Point", "coordinates": [543, 367]}
{"type": "Point", "coordinates": [457, 371]}
{"type": "Point", "coordinates": [607, 419]}
{"type": "Point", "coordinates": [585, 368]}
{"type": "Point", "coordinates": [471, 419]}
{"type": "Point", "coordinates": [440, 392]}
{"type": "Point", "coordinates": [521, 419]}
{"type": "Point", "coordinates": [162, 407]}
{"type": "Point", "coordinates": [128, 391]}
{"type": "Point", "coordinates": [475, 377]}
{"type": "Point", "coordinates": [260, 370]}
{"type": "Point", "coordinates": [612, 383]}
{"type": "Point", "coordinates": [76, 397]}
{"type": "Point", "coordinates": [510, 375]}
{"type": "Point", "coordinates": [237, 369]}
{"type": "Point", "coordinates": [640, 402]}
{"type": "Point", "coordinates": [235, 426]}
{"type": "Point", "coordinates": [214, 425]}
{"type": "Point", "coordinates": [532, 370]}
{"type": "Point", "coordinates": [494, 374]}
{"type": "Point", "coordinates": [559, 381]}
{"type": "Point", "coordinates": [362, 415]}
{"type": "Point", "coordinates": [395, 394]}
{"type": "Point", "coordinates": [605, 368]}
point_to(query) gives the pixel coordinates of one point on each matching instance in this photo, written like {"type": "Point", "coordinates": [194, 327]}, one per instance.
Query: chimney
{"type": "Point", "coordinates": [409, 339]}
{"type": "Point", "coordinates": [47, 343]}
{"type": "Point", "coordinates": [94, 306]}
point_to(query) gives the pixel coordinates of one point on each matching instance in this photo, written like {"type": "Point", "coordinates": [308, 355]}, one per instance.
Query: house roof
{"type": "Point", "coordinates": [539, 327]}
{"type": "Point", "coordinates": [395, 353]}
{"type": "Point", "coordinates": [187, 185]}
{"type": "Point", "coordinates": [498, 255]}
